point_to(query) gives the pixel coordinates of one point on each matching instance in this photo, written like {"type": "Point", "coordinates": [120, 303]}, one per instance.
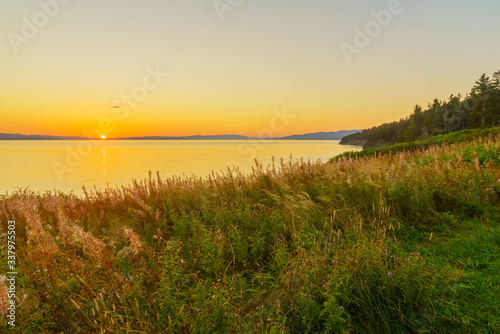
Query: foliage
{"type": "Point", "coordinates": [388, 243]}
{"type": "Point", "coordinates": [457, 139]}
{"type": "Point", "coordinates": [479, 109]}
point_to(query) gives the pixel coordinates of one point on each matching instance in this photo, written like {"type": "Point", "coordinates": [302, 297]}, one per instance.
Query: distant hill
{"type": "Point", "coordinates": [335, 135]}
{"type": "Point", "coordinates": [18, 136]}
{"type": "Point", "coordinates": [195, 137]}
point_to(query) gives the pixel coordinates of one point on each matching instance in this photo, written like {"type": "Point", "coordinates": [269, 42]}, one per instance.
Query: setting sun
{"type": "Point", "coordinates": [294, 166]}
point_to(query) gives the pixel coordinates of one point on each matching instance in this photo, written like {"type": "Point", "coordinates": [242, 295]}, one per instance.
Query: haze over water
{"type": "Point", "coordinates": [115, 163]}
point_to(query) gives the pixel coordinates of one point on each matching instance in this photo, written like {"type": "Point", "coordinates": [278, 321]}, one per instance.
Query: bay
{"type": "Point", "coordinates": [68, 165]}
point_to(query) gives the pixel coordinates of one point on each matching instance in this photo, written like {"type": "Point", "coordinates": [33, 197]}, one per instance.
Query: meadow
{"type": "Point", "coordinates": [402, 239]}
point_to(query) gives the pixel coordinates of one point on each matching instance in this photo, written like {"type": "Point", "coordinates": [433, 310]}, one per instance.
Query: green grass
{"type": "Point", "coordinates": [473, 304]}
{"type": "Point", "coordinates": [392, 243]}
{"type": "Point", "coordinates": [464, 136]}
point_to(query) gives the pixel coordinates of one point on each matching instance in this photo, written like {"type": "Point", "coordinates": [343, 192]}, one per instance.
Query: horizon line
{"type": "Point", "coordinates": [166, 137]}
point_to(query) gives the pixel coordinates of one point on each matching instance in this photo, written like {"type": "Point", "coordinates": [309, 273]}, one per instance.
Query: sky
{"type": "Point", "coordinates": [207, 67]}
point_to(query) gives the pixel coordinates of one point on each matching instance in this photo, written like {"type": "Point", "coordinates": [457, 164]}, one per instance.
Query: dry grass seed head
{"type": "Point", "coordinates": [133, 239]}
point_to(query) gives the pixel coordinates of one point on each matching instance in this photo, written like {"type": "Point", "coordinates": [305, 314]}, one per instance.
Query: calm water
{"type": "Point", "coordinates": [67, 165]}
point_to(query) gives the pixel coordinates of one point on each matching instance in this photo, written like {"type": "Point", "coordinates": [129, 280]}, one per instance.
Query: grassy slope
{"type": "Point", "coordinates": [464, 136]}
{"type": "Point", "coordinates": [398, 243]}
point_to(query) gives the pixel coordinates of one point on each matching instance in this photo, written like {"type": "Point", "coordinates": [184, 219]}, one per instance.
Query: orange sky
{"type": "Point", "coordinates": [229, 76]}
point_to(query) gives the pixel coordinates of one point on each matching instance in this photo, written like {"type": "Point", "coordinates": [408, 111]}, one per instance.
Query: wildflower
{"type": "Point", "coordinates": [389, 274]}
{"type": "Point", "coordinates": [342, 307]}
{"type": "Point", "coordinates": [311, 283]}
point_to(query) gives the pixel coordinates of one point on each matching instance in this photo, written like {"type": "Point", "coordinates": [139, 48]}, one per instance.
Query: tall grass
{"type": "Point", "coordinates": [463, 137]}
{"type": "Point", "coordinates": [296, 247]}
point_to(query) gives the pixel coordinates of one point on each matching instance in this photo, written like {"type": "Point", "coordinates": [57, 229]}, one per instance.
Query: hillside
{"type": "Point", "coordinates": [404, 241]}
{"type": "Point", "coordinates": [458, 137]}
{"type": "Point", "coordinates": [337, 135]}
{"type": "Point", "coordinates": [479, 109]}
{"type": "Point", "coordinates": [18, 136]}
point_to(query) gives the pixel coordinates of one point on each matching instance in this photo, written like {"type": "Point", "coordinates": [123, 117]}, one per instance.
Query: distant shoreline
{"type": "Point", "coordinates": [335, 135]}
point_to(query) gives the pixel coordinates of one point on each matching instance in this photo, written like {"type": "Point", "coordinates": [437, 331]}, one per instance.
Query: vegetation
{"type": "Point", "coordinates": [406, 242]}
{"type": "Point", "coordinates": [479, 109]}
{"type": "Point", "coordinates": [464, 136]}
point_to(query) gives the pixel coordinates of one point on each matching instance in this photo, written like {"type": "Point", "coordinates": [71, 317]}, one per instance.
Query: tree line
{"type": "Point", "coordinates": [478, 109]}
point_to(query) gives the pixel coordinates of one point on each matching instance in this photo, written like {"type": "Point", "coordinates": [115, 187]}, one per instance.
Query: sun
{"type": "Point", "coordinates": [103, 137]}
